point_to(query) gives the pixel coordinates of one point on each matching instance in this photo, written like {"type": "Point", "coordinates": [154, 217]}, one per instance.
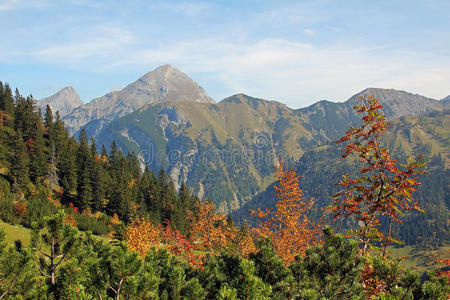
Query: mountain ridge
{"type": "Point", "coordinates": [225, 150]}
{"type": "Point", "coordinates": [164, 84]}
{"type": "Point", "coordinates": [64, 101]}
{"type": "Point", "coordinates": [250, 128]}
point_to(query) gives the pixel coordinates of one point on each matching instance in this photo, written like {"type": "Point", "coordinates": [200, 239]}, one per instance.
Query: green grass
{"type": "Point", "coordinates": [16, 232]}
{"type": "Point", "coordinates": [420, 260]}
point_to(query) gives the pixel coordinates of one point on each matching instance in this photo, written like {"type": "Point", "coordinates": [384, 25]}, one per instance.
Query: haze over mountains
{"type": "Point", "coordinates": [225, 151]}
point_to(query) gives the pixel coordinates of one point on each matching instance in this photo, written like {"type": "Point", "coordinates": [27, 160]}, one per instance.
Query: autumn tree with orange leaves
{"type": "Point", "coordinates": [141, 235]}
{"type": "Point", "coordinates": [288, 225]}
{"type": "Point", "coordinates": [382, 189]}
{"type": "Point", "coordinates": [208, 229]}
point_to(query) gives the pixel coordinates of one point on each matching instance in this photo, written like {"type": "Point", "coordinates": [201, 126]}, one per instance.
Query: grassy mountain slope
{"type": "Point", "coordinates": [226, 151]}
{"type": "Point", "coordinates": [408, 136]}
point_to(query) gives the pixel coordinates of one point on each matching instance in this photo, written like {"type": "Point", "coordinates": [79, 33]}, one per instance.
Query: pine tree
{"type": "Point", "coordinates": [99, 179]}
{"type": "Point", "coordinates": [270, 268]}
{"type": "Point", "coordinates": [330, 271]}
{"type": "Point", "coordinates": [19, 171]}
{"type": "Point", "coordinates": [85, 165]}
{"type": "Point", "coordinates": [7, 104]}
{"type": "Point", "coordinates": [17, 272]}
{"type": "Point", "coordinates": [60, 239]}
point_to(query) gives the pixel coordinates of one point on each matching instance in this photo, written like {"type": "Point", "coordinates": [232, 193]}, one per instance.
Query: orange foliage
{"type": "Point", "coordinates": [209, 229]}
{"type": "Point", "coordinates": [75, 209]}
{"type": "Point", "coordinates": [382, 189]}
{"type": "Point", "coordinates": [445, 271]}
{"type": "Point", "coordinates": [244, 241]}
{"type": "Point", "coordinates": [4, 116]}
{"type": "Point", "coordinates": [70, 219]}
{"type": "Point", "coordinates": [20, 209]}
{"type": "Point", "coordinates": [288, 226]}
{"type": "Point", "coordinates": [141, 235]}
{"type": "Point", "coordinates": [115, 220]}
{"type": "Point", "coordinates": [179, 245]}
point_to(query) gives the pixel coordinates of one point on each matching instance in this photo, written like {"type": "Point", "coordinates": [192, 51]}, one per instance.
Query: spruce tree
{"type": "Point", "coordinates": [19, 170]}
{"type": "Point", "coordinates": [85, 164]}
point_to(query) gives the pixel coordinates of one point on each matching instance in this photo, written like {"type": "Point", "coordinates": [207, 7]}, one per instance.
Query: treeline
{"type": "Point", "coordinates": [42, 168]}
{"type": "Point", "coordinates": [63, 263]}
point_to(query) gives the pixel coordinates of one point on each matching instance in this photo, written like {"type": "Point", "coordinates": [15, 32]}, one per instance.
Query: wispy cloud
{"type": "Point", "coordinates": [309, 31]}
{"type": "Point", "coordinates": [104, 42]}
{"type": "Point", "coordinates": [298, 72]}
{"type": "Point", "coordinates": [297, 52]}
{"type": "Point", "coordinates": [187, 8]}
{"type": "Point", "coordinates": [6, 5]}
{"type": "Point", "coordinates": [292, 72]}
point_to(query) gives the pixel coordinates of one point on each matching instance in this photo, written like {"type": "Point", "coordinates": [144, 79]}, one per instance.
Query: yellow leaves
{"type": "Point", "coordinates": [115, 220]}
{"type": "Point", "coordinates": [132, 183]}
{"type": "Point", "coordinates": [141, 235]}
{"type": "Point", "coordinates": [288, 226]}
{"type": "Point", "coordinates": [209, 229]}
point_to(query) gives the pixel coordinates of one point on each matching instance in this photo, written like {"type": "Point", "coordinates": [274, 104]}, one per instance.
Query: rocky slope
{"type": "Point", "coordinates": [164, 84]}
{"type": "Point", "coordinates": [63, 101]}
{"type": "Point", "coordinates": [446, 102]}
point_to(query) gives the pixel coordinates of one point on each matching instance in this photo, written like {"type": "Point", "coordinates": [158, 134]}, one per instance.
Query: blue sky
{"type": "Point", "coordinates": [296, 52]}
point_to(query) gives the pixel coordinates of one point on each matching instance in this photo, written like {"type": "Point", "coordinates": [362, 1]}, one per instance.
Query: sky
{"type": "Point", "coordinates": [295, 52]}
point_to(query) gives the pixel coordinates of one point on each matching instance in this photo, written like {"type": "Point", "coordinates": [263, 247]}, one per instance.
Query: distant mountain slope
{"type": "Point", "coordinates": [428, 134]}
{"type": "Point", "coordinates": [63, 101]}
{"type": "Point", "coordinates": [164, 84]}
{"type": "Point", "coordinates": [446, 102]}
{"type": "Point", "coordinates": [400, 103]}
{"type": "Point", "coordinates": [226, 151]}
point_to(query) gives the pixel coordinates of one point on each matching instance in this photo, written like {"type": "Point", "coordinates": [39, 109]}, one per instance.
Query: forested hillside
{"type": "Point", "coordinates": [43, 168]}
{"type": "Point", "coordinates": [286, 255]}
{"type": "Point", "coordinates": [407, 137]}
{"type": "Point", "coordinates": [226, 151]}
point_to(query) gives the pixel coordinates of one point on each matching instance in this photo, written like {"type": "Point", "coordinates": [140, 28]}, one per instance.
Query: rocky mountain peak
{"type": "Point", "coordinates": [164, 84]}
{"type": "Point", "coordinates": [168, 84]}
{"type": "Point", "coordinates": [399, 103]}
{"type": "Point", "coordinates": [64, 101]}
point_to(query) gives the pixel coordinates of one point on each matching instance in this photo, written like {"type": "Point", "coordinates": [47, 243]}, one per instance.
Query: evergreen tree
{"type": "Point", "coordinates": [17, 273]}
{"type": "Point", "coordinates": [270, 268]}
{"type": "Point", "coordinates": [7, 103]}
{"type": "Point", "coordinates": [175, 281]}
{"type": "Point", "coordinates": [54, 246]}
{"type": "Point", "coordinates": [332, 270]}
{"type": "Point", "coordinates": [234, 272]}
{"type": "Point", "coordinates": [36, 145]}
{"type": "Point", "coordinates": [99, 179]}
{"type": "Point", "coordinates": [85, 165]}
{"type": "Point", "coordinates": [19, 159]}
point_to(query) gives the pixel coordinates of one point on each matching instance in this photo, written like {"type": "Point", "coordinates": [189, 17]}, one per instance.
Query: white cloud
{"type": "Point", "coordinates": [309, 31]}
{"type": "Point", "coordinates": [295, 73]}
{"type": "Point", "coordinates": [299, 73]}
{"type": "Point", "coordinates": [102, 42]}
{"type": "Point", "coordinates": [6, 5]}
{"type": "Point", "coordinates": [187, 8]}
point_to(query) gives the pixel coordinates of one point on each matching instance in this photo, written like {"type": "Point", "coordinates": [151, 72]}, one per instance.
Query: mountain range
{"type": "Point", "coordinates": [224, 151]}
